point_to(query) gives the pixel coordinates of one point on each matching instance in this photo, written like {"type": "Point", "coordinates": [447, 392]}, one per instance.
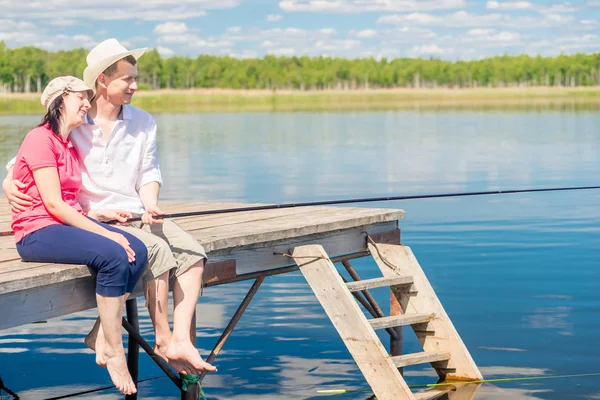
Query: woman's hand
{"type": "Point", "coordinates": [110, 215]}
{"type": "Point", "coordinates": [122, 240]}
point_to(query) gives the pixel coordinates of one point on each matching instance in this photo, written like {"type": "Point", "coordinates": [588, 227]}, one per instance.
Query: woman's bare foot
{"type": "Point", "coordinates": [185, 352]}
{"type": "Point", "coordinates": [95, 340]}
{"type": "Point", "coordinates": [119, 374]}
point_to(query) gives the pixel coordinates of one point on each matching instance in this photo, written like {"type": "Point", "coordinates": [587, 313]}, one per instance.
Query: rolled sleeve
{"type": "Point", "coordinates": [11, 163]}
{"type": "Point", "coordinates": [149, 169]}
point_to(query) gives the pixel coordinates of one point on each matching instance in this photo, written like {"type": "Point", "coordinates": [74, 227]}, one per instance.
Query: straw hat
{"type": "Point", "coordinates": [63, 84]}
{"type": "Point", "coordinates": [103, 56]}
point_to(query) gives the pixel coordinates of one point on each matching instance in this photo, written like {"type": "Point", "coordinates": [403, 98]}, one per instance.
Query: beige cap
{"type": "Point", "coordinates": [103, 56]}
{"type": "Point", "coordinates": [63, 84]}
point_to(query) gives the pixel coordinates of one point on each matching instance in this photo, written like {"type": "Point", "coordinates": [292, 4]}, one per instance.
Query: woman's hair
{"type": "Point", "coordinates": [54, 115]}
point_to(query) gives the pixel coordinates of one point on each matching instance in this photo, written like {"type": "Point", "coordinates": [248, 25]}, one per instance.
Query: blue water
{"type": "Point", "coordinates": [518, 274]}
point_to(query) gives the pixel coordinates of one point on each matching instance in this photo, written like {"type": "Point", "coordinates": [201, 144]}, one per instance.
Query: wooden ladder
{"type": "Point", "coordinates": [442, 346]}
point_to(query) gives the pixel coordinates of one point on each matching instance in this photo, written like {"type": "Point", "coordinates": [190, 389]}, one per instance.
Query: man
{"type": "Point", "coordinates": [121, 179]}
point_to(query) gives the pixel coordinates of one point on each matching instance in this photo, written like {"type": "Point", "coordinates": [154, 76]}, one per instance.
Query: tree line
{"type": "Point", "coordinates": [28, 69]}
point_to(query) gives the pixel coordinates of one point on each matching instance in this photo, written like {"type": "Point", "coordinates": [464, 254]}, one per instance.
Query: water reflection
{"type": "Point", "coordinates": [517, 274]}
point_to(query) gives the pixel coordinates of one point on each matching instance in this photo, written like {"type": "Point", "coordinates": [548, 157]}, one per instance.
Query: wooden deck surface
{"type": "Point", "coordinates": [243, 241]}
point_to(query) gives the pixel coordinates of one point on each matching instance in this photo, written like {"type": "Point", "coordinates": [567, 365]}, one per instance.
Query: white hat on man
{"type": "Point", "coordinates": [103, 56]}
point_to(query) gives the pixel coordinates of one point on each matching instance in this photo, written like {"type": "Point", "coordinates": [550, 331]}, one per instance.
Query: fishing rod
{"type": "Point", "coordinates": [349, 201]}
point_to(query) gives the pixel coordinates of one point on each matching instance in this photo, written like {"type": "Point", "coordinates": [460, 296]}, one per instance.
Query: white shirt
{"type": "Point", "coordinates": [113, 171]}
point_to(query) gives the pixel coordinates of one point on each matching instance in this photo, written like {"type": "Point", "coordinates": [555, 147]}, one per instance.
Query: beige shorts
{"type": "Point", "coordinates": [170, 248]}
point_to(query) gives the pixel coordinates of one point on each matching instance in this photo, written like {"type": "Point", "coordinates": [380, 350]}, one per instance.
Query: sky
{"type": "Point", "coordinates": [446, 29]}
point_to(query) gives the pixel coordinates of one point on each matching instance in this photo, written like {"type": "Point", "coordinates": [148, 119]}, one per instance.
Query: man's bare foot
{"type": "Point", "coordinates": [95, 341]}
{"type": "Point", "coordinates": [119, 374]}
{"type": "Point", "coordinates": [178, 365]}
{"type": "Point", "coordinates": [186, 352]}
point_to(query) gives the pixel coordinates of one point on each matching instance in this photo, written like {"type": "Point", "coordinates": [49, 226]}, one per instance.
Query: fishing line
{"type": "Point", "coordinates": [66, 396]}
{"type": "Point", "coordinates": [497, 380]}
{"type": "Point", "coordinates": [350, 201]}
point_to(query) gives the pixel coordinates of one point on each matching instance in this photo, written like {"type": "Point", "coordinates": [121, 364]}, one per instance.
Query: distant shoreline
{"type": "Point", "coordinates": [213, 99]}
{"type": "Point", "coordinates": [435, 91]}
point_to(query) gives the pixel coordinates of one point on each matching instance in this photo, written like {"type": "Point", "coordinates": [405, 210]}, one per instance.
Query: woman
{"type": "Point", "coordinates": [55, 229]}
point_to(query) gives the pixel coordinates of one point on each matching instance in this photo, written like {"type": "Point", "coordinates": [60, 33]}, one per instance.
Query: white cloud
{"type": "Point", "coordinates": [61, 22]}
{"type": "Point", "coordinates": [479, 32]}
{"type": "Point", "coordinates": [527, 5]}
{"type": "Point", "coordinates": [194, 41]}
{"type": "Point", "coordinates": [559, 8]}
{"type": "Point", "coordinates": [244, 54]}
{"type": "Point", "coordinates": [327, 31]}
{"type": "Point", "coordinates": [463, 19]}
{"type": "Point", "coordinates": [177, 38]}
{"type": "Point", "coordinates": [164, 51]}
{"type": "Point", "coordinates": [490, 35]}
{"type": "Point", "coordinates": [274, 18]}
{"type": "Point", "coordinates": [509, 5]}
{"type": "Point", "coordinates": [170, 28]}
{"type": "Point", "coordinates": [234, 29]}
{"type": "Point", "coordinates": [358, 6]}
{"type": "Point", "coordinates": [568, 44]}
{"type": "Point", "coordinates": [286, 51]}
{"type": "Point", "coordinates": [146, 10]}
{"type": "Point", "coordinates": [366, 33]}
{"type": "Point", "coordinates": [429, 49]}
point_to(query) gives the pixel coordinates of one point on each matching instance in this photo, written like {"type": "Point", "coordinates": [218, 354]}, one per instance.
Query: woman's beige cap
{"type": "Point", "coordinates": [63, 84]}
{"type": "Point", "coordinates": [103, 56]}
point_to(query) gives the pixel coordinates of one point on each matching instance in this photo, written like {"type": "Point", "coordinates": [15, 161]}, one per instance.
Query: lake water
{"type": "Point", "coordinates": [518, 274]}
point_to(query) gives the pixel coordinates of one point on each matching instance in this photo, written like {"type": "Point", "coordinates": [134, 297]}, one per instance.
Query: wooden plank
{"type": "Point", "coordinates": [374, 283]}
{"type": "Point", "coordinates": [446, 338]}
{"type": "Point", "coordinates": [350, 322]}
{"type": "Point", "coordinates": [214, 272]}
{"type": "Point", "coordinates": [258, 222]}
{"type": "Point", "coordinates": [223, 220]}
{"type": "Point", "coordinates": [400, 320]}
{"type": "Point", "coordinates": [392, 237]}
{"type": "Point", "coordinates": [451, 392]}
{"type": "Point", "coordinates": [420, 358]}
{"type": "Point", "coordinates": [267, 255]}
{"type": "Point", "coordinates": [279, 229]}
{"type": "Point", "coordinates": [431, 394]}
{"type": "Point", "coordinates": [22, 276]}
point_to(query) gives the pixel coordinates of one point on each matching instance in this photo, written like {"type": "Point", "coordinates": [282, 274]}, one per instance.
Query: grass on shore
{"type": "Point", "coordinates": [199, 100]}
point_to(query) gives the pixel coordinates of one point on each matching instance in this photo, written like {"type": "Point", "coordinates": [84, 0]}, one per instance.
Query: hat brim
{"type": "Point", "coordinates": [91, 72]}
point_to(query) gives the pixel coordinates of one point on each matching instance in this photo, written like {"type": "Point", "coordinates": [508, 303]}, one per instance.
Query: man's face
{"type": "Point", "coordinates": [122, 84]}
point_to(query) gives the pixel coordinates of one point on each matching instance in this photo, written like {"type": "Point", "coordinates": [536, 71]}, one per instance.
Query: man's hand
{"type": "Point", "coordinates": [17, 200]}
{"type": "Point", "coordinates": [152, 211]}
{"type": "Point", "coordinates": [110, 215]}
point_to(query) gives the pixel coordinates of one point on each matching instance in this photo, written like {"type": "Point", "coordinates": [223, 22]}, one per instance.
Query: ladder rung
{"type": "Point", "coordinates": [379, 282]}
{"type": "Point", "coordinates": [400, 320]}
{"type": "Point", "coordinates": [420, 358]}
{"type": "Point", "coordinates": [430, 394]}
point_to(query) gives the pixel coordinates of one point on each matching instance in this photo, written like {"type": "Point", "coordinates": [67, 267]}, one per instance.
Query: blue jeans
{"type": "Point", "coordinates": [65, 244]}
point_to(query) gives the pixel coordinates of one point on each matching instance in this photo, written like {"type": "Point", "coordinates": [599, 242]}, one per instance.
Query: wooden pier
{"type": "Point", "coordinates": [256, 244]}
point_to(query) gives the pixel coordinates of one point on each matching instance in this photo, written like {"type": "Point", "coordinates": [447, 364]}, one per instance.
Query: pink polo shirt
{"type": "Point", "coordinates": [42, 148]}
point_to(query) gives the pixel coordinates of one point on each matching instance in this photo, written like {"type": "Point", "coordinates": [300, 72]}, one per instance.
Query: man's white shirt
{"type": "Point", "coordinates": [113, 171]}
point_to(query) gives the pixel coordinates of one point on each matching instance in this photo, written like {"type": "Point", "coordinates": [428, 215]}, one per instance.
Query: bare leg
{"type": "Point", "coordinates": [95, 340]}
{"type": "Point", "coordinates": [157, 299]}
{"type": "Point", "coordinates": [110, 310]}
{"type": "Point", "coordinates": [185, 297]}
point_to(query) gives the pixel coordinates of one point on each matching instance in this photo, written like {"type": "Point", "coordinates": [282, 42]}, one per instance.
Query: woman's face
{"type": "Point", "coordinates": [76, 106]}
